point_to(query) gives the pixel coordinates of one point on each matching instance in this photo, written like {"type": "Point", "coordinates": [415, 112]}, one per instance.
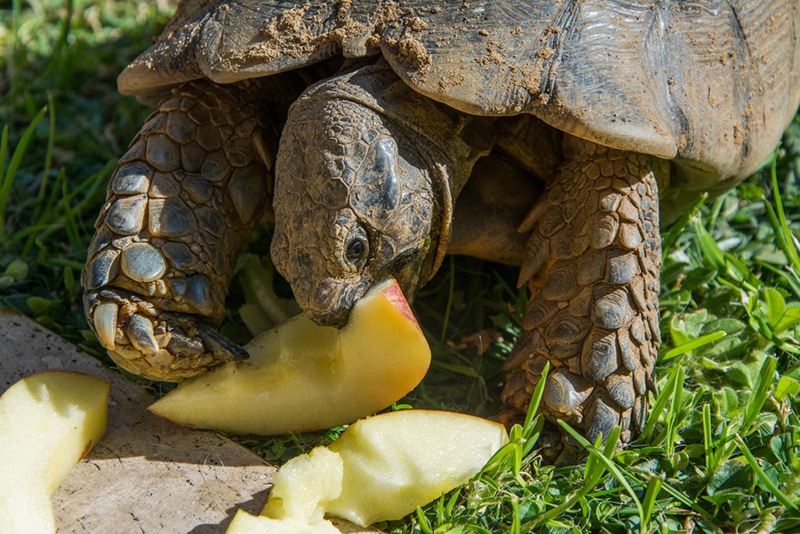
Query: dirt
{"type": "Point", "coordinates": [412, 52]}
{"type": "Point", "coordinates": [290, 34]}
{"type": "Point", "coordinates": [411, 49]}
{"type": "Point", "coordinates": [495, 53]}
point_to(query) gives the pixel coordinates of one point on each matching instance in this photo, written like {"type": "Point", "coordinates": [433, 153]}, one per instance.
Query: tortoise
{"type": "Point", "coordinates": [382, 135]}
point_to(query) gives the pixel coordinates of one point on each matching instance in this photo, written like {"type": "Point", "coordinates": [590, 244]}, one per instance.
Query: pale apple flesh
{"type": "Point", "coordinates": [244, 523]}
{"type": "Point", "coordinates": [301, 476]}
{"type": "Point", "coordinates": [48, 422]}
{"type": "Point", "coordinates": [401, 460]}
{"type": "Point", "coordinates": [380, 468]}
{"type": "Point", "coordinates": [304, 377]}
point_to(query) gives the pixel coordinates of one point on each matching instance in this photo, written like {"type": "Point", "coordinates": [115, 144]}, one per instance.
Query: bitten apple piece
{"type": "Point", "coordinates": [390, 464]}
{"type": "Point", "coordinates": [301, 492]}
{"type": "Point", "coordinates": [244, 523]}
{"type": "Point", "coordinates": [48, 422]}
{"type": "Point", "coordinates": [302, 377]}
{"type": "Point", "coordinates": [398, 461]}
{"type": "Point", "coordinates": [301, 476]}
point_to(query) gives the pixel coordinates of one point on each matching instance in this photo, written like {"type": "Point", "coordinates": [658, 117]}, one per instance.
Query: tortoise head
{"type": "Point", "coordinates": [360, 194]}
{"type": "Point", "coordinates": [353, 206]}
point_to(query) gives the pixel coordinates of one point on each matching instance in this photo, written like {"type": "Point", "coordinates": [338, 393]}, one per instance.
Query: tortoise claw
{"type": "Point", "coordinates": [105, 323]}
{"type": "Point", "coordinates": [564, 391]}
{"type": "Point", "coordinates": [219, 345]}
{"type": "Point", "coordinates": [140, 332]}
{"type": "Point", "coordinates": [156, 344]}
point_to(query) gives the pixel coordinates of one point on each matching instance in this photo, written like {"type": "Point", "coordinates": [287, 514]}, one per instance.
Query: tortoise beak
{"type": "Point", "coordinates": [407, 269]}
{"type": "Point", "coordinates": [329, 302]}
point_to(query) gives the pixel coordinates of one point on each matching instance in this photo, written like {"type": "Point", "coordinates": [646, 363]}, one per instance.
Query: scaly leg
{"type": "Point", "coordinates": [184, 198]}
{"type": "Point", "coordinates": [593, 265]}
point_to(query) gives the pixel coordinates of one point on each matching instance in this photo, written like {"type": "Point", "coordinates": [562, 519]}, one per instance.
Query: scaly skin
{"type": "Point", "coordinates": [593, 264]}
{"type": "Point", "coordinates": [186, 195]}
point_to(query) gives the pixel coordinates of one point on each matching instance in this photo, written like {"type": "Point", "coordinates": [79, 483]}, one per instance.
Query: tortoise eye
{"type": "Point", "coordinates": [356, 248]}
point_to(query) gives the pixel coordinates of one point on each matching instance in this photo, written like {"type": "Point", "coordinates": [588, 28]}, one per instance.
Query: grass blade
{"type": "Point", "coordinates": [536, 398]}
{"type": "Point", "coordinates": [661, 402]}
{"type": "Point", "coordinates": [678, 227]}
{"type": "Point", "coordinates": [762, 476]}
{"type": "Point", "coordinates": [760, 393]}
{"type": "Point", "coordinates": [3, 149]}
{"type": "Point", "coordinates": [604, 459]}
{"type": "Point", "coordinates": [689, 346]}
{"type": "Point", "coordinates": [784, 237]}
{"type": "Point", "coordinates": [674, 411]}
{"type": "Point", "coordinates": [708, 438]}
{"type": "Point", "coordinates": [649, 501]}
{"type": "Point", "coordinates": [13, 164]}
{"type": "Point", "coordinates": [48, 159]}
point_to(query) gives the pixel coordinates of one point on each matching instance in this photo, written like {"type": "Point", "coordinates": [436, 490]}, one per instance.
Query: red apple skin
{"type": "Point", "coordinates": [399, 301]}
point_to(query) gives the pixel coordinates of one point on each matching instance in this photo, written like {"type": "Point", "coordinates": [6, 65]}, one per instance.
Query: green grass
{"type": "Point", "coordinates": [721, 452]}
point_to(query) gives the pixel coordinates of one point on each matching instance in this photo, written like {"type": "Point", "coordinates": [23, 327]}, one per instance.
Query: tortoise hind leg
{"type": "Point", "coordinates": [593, 265]}
{"type": "Point", "coordinates": [180, 205]}
{"type": "Point", "coordinates": [489, 210]}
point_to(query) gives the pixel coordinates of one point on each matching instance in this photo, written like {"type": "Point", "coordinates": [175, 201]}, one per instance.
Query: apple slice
{"type": "Point", "coordinates": [300, 477]}
{"type": "Point", "coordinates": [398, 461]}
{"type": "Point", "coordinates": [381, 468]}
{"type": "Point", "coordinates": [245, 523]}
{"type": "Point", "coordinates": [303, 377]}
{"type": "Point", "coordinates": [48, 422]}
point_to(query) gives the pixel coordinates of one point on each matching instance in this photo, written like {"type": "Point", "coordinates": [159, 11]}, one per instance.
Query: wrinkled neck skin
{"type": "Point", "coordinates": [366, 176]}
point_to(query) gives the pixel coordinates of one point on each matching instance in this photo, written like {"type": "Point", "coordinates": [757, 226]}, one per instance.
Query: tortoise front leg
{"type": "Point", "coordinates": [184, 198]}
{"type": "Point", "coordinates": [593, 265]}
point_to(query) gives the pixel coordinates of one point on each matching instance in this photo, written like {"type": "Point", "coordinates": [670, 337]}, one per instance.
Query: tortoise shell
{"type": "Point", "coordinates": [709, 85]}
